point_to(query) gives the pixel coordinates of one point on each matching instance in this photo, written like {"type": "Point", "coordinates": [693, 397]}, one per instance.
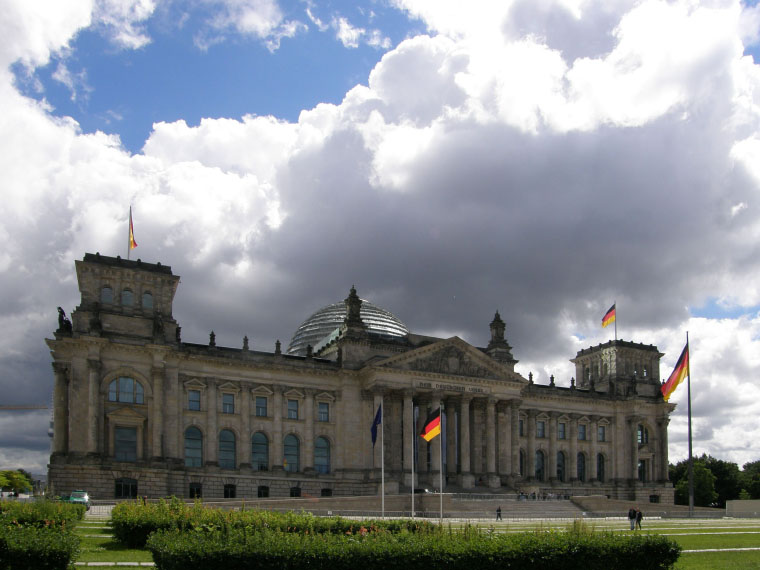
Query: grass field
{"type": "Point", "coordinates": [709, 544]}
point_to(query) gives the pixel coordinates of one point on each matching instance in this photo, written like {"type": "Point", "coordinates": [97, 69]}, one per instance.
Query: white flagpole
{"type": "Point", "coordinates": [691, 459]}
{"type": "Point", "coordinates": [129, 233]}
{"type": "Point", "coordinates": [414, 441]}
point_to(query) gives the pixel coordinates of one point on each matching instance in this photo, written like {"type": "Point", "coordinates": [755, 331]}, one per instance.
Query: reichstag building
{"type": "Point", "coordinates": [139, 412]}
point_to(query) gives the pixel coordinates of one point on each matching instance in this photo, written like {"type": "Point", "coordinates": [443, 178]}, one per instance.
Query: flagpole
{"type": "Point", "coordinates": [691, 459]}
{"type": "Point", "coordinates": [414, 442]}
{"type": "Point", "coordinates": [382, 467]}
{"type": "Point", "coordinates": [615, 305]}
{"type": "Point", "coordinates": [440, 463]}
{"type": "Point", "coordinates": [129, 233]}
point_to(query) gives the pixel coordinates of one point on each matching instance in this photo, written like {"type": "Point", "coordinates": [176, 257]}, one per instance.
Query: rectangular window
{"type": "Point", "coordinates": [582, 432]}
{"type": "Point", "coordinates": [540, 429]}
{"type": "Point", "coordinates": [601, 434]}
{"type": "Point", "coordinates": [521, 427]}
{"type": "Point", "coordinates": [561, 430]}
{"type": "Point", "coordinates": [228, 403]}
{"type": "Point", "coordinates": [125, 444]}
{"type": "Point", "coordinates": [261, 406]}
{"type": "Point", "coordinates": [292, 409]}
{"type": "Point", "coordinates": [230, 491]}
{"type": "Point", "coordinates": [262, 492]}
{"type": "Point", "coordinates": [196, 490]}
{"type": "Point", "coordinates": [194, 400]}
{"type": "Point", "coordinates": [323, 415]}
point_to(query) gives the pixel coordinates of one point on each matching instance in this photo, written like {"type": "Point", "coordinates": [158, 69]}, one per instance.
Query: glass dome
{"type": "Point", "coordinates": [327, 319]}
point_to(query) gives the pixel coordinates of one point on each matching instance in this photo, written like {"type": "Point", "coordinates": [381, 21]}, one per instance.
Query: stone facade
{"type": "Point", "coordinates": [139, 412]}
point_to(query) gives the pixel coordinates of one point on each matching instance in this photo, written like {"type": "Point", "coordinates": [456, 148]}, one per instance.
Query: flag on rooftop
{"type": "Point", "coordinates": [609, 316]}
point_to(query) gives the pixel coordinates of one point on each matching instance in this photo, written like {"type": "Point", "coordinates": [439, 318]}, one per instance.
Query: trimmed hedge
{"type": "Point", "coordinates": [133, 522]}
{"type": "Point", "coordinates": [48, 548]}
{"type": "Point", "coordinates": [239, 549]}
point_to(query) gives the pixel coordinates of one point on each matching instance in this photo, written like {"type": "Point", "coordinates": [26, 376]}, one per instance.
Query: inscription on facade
{"type": "Point", "coordinates": [451, 387]}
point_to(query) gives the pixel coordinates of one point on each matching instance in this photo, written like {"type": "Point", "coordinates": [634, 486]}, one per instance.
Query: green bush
{"type": "Point", "coordinates": [133, 522]}
{"type": "Point", "coordinates": [238, 548]}
{"type": "Point", "coordinates": [43, 548]}
{"type": "Point", "coordinates": [40, 513]}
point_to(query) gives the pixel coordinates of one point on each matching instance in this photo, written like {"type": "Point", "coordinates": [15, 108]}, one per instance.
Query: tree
{"type": "Point", "coordinates": [750, 478]}
{"type": "Point", "coordinates": [728, 480]}
{"type": "Point", "coordinates": [704, 487]}
{"type": "Point", "coordinates": [16, 481]}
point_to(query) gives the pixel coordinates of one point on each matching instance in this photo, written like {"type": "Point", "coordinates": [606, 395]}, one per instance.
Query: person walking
{"type": "Point", "coordinates": [639, 516]}
{"type": "Point", "coordinates": [498, 513]}
{"type": "Point", "coordinates": [632, 517]}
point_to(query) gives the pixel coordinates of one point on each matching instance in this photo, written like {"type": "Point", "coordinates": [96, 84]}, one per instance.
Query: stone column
{"type": "Point", "coordinates": [93, 404]}
{"type": "Point", "coordinates": [60, 407]}
{"type": "Point", "coordinates": [490, 426]}
{"type": "Point", "coordinates": [394, 435]}
{"type": "Point", "coordinates": [633, 423]}
{"type": "Point", "coordinates": [212, 439]}
{"type": "Point", "coordinates": [245, 429]}
{"type": "Point", "coordinates": [514, 407]}
{"type": "Point", "coordinates": [377, 459]}
{"type": "Point", "coordinates": [451, 440]}
{"type": "Point", "coordinates": [663, 425]}
{"type": "Point", "coordinates": [409, 435]}
{"type": "Point", "coordinates": [466, 479]}
{"type": "Point", "coordinates": [435, 449]}
{"type": "Point", "coordinates": [573, 459]}
{"type": "Point", "coordinates": [530, 454]}
{"type": "Point", "coordinates": [551, 463]}
{"type": "Point", "coordinates": [173, 417]}
{"type": "Point", "coordinates": [593, 428]}
{"type": "Point", "coordinates": [308, 438]}
{"type": "Point", "coordinates": [158, 412]}
{"type": "Point", "coordinates": [503, 461]}
{"type": "Point", "coordinates": [277, 450]}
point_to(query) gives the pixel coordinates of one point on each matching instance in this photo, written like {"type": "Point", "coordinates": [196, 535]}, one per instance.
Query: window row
{"type": "Point", "coordinates": [260, 447]}
{"type": "Point", "coordinates": [127, 297]}
{"type": "Point", "coordinates": [583, 435]}
{"type": "Point", "coordinates": [580, 474]}
{"type": "Point", "coordinates": [126, 488]}
{"type": "Point", "coordinates": [261, 406]}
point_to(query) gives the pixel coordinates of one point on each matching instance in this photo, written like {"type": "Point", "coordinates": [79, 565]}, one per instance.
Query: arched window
{"type": "Point", "coordinates": [322, 455]}
{"type": "Point", "coordinates": [126, 390]}
{"type": "Point", "coordinates": [600, 468]}
{"type": "Point", "coordinates": [259, 452]}
{"type": "Point", "coordinates": [642, 434]}
{"type": "Point", "coordinates": [581, 467]}
{"type": "Point", "coordinates": [539, 465]}
{"type": "Point", "coordinates": [193, 447]}
{"type": "Point", "coordinates": [127, 298]}
{"type": "Point", "coordinates": [292, 453]}
{"type": "Point", "coordinates": [147, 300]}
{"type": "Point", "coordinates": [106, 295]}
{"type": "Point", "coordinates": [561, 466]}
{"type": "Point", "coordinates": [227, 449]}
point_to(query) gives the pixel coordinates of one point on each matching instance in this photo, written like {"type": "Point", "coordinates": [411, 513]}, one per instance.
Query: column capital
{"type": "Point", "coordinates": [61, 367]}
{"type": "Point", "coordinates": [94, 365]}
{"type": "Point", "coordinates": [157, 370]}
{"type": "Point", "coordinates": [515, 403]}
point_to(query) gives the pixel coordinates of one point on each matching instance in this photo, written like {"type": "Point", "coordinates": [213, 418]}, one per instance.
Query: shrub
{"type": "Point", "coordinates": [48, 548]}
{"type": "Point", "coordinates": [237, 548]}
{"type": "Point", "coordinates": [40, 514]}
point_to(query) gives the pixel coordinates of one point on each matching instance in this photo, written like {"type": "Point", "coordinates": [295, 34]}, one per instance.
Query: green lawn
{"type": "Point", "coordinates": [690, 534]}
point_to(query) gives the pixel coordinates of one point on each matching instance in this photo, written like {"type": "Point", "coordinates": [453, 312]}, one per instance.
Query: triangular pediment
{"type": "Point", "coordinates": [229, 387]}
{"type": "Point", "coordinates": [293, 393]}
{"type": "Point", "coordinates": [325, 397]}
{"type": "Point", "coordinates": [194, 384]}
{"type": "Point", "coordinates": [452, 357]}
{"type": "Point", "coordinates": [261, 391]}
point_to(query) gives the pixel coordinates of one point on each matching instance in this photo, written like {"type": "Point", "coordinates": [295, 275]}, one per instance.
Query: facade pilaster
{"type": "Point", "coordinates": [514, 410]}
{"type": "Point", "coordinates": [530, 454]}
{"type": "Point", "coordinates": [466, 479]}
{"type": "Point", "coordinates": [61, 407]}
{"type": "Point", "coordinates": [491, 428]}
{"type": "Point", "coordinates": [212, 441]}
{"type": "Point", "coordinates": [277, 452]}
{"type": "Point", "coordinates": [93, 404]}
{"type": "Point", "coordinates": [451, 439]}
{"type": "Point", "coordinates": [158, 412]}
{"type": "Point", "coordinates": [308, 437]}
{"type": "Point", "coordinates": [551, 463]}
{"type": "Point", "coordinates": [633, 424]}
{"type": "Point", "coordinates": [245, 429]}
{"type": "Point", "coordinates": [573, 459]}
{"type": "Point", "coordinates": [663, 427]}
{"type": "Point", "coordinates": [593, 440]}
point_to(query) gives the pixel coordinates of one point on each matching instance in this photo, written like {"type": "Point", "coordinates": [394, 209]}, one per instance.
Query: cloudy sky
{"type": "Point", "coordinates": [545, 158]}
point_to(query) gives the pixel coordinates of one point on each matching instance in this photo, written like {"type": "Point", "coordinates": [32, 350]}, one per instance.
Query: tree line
{"type": "Point", "coordinates": [18, 481]}
{"type": "Point", "coordinates": [715, 481]}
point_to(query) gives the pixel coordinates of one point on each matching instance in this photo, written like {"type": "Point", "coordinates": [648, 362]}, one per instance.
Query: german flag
{"type": "Point", "coordinates": [678, 374]}
{"type": "Point", "coordinates": [132, 242]}
{"type": "Point", "coordinates": [432, 425]}
{"type": "Point", "coordinates": [609, 316]}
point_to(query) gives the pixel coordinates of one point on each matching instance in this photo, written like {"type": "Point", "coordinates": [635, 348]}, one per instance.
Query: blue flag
{"type": "Point", "coordinates": [377, 422]}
